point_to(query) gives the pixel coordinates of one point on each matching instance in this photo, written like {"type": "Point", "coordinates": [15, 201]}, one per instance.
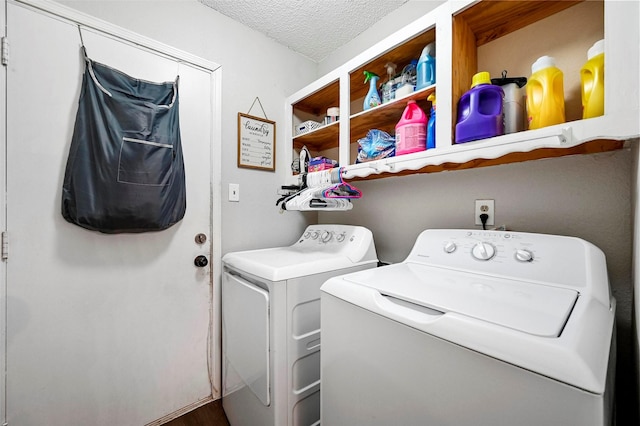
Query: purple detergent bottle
{"type": "Point", "coordinates": [480, 110]}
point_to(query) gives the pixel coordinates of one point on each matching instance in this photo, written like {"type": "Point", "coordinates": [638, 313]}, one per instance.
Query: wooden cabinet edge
{"type": "Point", "coordinates": [589, 147]}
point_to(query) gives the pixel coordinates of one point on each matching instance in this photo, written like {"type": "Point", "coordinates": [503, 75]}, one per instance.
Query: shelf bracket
{"type": "Point", "coordinates": [566, 135]}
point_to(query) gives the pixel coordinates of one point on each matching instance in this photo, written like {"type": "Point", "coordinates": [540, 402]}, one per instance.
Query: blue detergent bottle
{"type": "Point", "coordinates": [373, 98]}
{"type": "Point", "coordinates": [431, 124]}
{"type": "Point", "coordinates": [426, 70]}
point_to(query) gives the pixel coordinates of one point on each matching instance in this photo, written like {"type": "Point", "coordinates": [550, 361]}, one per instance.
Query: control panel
{"type": "Point", "coordinates": [527, 256]}
{"type": "Point", "coordinates": [329, 234]}
{"type": "Point", "coordinates": [324, 236]}
{"type": "Point", "coordinates": [487, 246]}
{"type": "Point", "coordinates": [486, 249]}
{"type": "Point", "coordinates": [352, 242]}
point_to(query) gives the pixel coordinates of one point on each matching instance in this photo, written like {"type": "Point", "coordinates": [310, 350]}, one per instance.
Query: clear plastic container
{"type": "Point", "coordinates": [545, 94]}
{"type": "Point", "coordinates": [592, 79]}
{"type": "Point", "coordinates": [411, 130]}
{"type": "Point", "coordinates": [408, 80]}
{"type": "Point", "coordinates": [513, 103]}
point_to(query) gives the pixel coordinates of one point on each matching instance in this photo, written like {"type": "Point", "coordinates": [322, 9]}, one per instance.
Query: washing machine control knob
{"type": "Point", "coordinates": [523, 255]}
{"type": "Point", "coordinates": [307, 234]}
{"type": "Point", "coordinates": [340, 237]}
{"type": "Point", "coordinates": [449, 247]}
{"type": "Point", "coordinates": [326, 236]}
{"type": "Point", "coordinates": [483, 251]}
{"type": "Point", "coordinates": [314, 235]}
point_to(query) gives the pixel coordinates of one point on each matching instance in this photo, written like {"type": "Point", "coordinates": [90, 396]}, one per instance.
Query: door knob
{"type": "Point", "coordinates": [201, 261]}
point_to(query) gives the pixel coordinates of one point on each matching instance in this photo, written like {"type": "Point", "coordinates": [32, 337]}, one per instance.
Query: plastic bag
{"type": "Point", "coordinates": [376, 145]}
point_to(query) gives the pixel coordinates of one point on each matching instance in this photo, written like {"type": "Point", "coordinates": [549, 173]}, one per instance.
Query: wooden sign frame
{"type": "Point", "coordinates": [256, 143]}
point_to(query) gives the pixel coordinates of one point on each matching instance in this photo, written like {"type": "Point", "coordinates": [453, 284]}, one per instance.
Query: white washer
{"type": "Point", "coordinates": [271, 323]}
{"type": "Point", "coordinates": [473, 328]}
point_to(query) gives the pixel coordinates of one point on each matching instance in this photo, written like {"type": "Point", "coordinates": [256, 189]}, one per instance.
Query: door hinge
{"type": "Point", "coordinates": [5, 246]}
{"type": "Point", "coordinates": [5, 51]}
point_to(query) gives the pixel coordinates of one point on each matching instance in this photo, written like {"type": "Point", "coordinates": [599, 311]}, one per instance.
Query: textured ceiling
{"type": "Point", "coordinates": [313, 28]}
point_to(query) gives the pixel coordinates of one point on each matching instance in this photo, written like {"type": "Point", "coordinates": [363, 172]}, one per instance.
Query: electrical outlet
{"type": "Point", "coordinates": [234, 192]}
{"type": "Point", "coordinates": [487, 207]}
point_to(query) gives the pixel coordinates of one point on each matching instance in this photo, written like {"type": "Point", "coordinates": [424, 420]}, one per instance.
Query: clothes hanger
{"type": "Point", "coordinates": [342, 189]}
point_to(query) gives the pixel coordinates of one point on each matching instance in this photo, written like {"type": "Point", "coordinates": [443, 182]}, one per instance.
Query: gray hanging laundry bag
{"type": "Point", "coordinates": [125, 170]}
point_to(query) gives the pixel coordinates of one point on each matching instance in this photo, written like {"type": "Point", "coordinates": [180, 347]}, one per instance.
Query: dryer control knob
{"type": "Point", "coordinates": [340, 238]}
{"type": "Point", "coordinates": [326, 236]}
{"type": "Point", "coordinates": [483, 251]}
{"type": "Point", "coordinates": [449, 247]}
{"type": "Point", "coordinates": [314, 235]}
{"type": "Point", "coordinates": [523, 255]}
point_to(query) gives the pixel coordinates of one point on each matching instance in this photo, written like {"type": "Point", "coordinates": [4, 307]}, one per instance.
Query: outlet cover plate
{"type": "Point", "coordinates": [488, 207]}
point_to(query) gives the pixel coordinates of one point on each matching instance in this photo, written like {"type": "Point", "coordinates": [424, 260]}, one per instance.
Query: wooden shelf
{"type": "Point", "coordinates": [326, 137]}
{"type": "Point", "coordinates": [590, 147]}
{"type": "Point", "coordinates": [531, 29]}
{"type": "Point", "coordinates": [318, 102]}
{"type": "Point", "coordinates": [484, 22]}
{"type": "Point", "coordinates": [401, 56]}
{"type": "Point", "coordinates": [385, 117]}
{"type": "Point", "coordinates": [489, 20]}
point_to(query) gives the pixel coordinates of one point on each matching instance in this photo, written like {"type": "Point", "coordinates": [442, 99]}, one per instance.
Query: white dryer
{"type": "Point", "coordinates": [477, 328]}
{"type": "Point", "coordinates": [271, 323]}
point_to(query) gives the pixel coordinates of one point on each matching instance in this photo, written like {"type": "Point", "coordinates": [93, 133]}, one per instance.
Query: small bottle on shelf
{"type": "Point", "coordinates": [513, 103]}
{"type": "Point", "coordinates": [373, 98]}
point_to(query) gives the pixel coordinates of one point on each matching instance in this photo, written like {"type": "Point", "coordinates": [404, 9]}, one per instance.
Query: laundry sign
{"type": "Point", "coordinates": [256, 142]}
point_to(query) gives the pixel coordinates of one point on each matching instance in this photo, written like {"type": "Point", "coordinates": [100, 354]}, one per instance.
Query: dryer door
{"type": "Point", "coordinates": [245, 336]}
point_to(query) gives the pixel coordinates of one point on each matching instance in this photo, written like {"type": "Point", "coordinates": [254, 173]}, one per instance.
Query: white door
{"type": "Point", "coordinates": [101, 329]}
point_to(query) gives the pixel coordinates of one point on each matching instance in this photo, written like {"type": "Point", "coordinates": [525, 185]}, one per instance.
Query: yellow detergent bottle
{"type": "Point", "coordinates": [545, 94]}
{"type": "Point", "coordinates": [592, 78]}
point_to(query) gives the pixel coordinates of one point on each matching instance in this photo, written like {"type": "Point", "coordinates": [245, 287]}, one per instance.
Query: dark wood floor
{"type": "Point", "coordinates": [210, 414]}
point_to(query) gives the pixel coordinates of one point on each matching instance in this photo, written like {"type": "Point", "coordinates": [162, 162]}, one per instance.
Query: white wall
{"type": "Point", "coordinates": [583, 196]}
{"type": "Point", "coordinates": [252, 65]}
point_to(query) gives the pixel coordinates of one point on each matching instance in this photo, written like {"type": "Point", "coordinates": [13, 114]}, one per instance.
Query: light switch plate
{"type": "Point", "coordinates": [234, 192]}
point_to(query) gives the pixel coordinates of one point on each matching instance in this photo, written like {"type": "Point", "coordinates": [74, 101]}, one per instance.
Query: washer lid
{"type": "Point", "coordinates": [320, 249]}
{"type": "Point", "coordinates": [283, 263]}
{"type": "Point", "coordinates": [531, 308]}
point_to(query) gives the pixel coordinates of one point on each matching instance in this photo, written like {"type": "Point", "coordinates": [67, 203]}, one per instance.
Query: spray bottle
{"type": "Point", "coordinates": [388, 88]}
{"type": "Point", "coordinates": [373, 98]}
{"type": "Point", "coordinates": [431, 124]}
